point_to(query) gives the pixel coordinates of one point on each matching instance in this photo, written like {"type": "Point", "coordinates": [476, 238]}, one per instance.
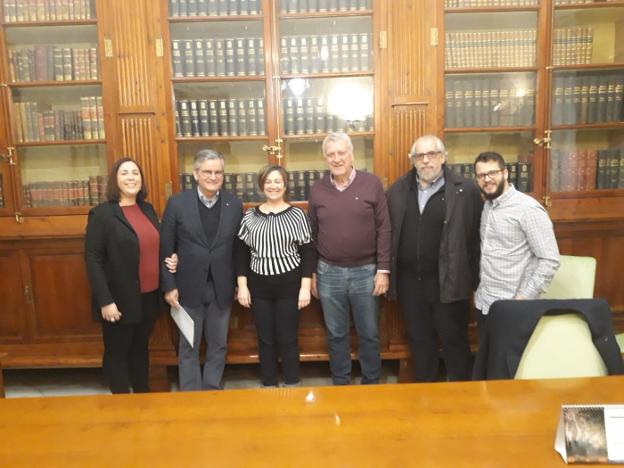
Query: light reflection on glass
{"type": "Point", "coordinates": [310, 397]}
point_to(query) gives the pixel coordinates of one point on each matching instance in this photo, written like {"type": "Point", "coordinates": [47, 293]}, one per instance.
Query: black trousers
{"type": "Point", "coordinates": [426, 321]}
{"type": "Point", "coordinates": [126, 352]}
{"type": "Point", "coordinates": [277, 325]}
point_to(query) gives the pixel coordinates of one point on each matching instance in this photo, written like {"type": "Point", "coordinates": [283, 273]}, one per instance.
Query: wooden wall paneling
{"type": "Point", "coordinates": [135, 30]}
{"type": "Point", "coordinates": [61, 294]}
{"type": "Point", "coordinates": [411, 67]}
{"type": "Point", "coordinates": [14, 307]}
{"type": "Point", "coordinates": [605, 242]}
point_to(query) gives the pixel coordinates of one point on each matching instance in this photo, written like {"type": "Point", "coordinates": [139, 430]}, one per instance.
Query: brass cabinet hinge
{"type": "Point", "coordinates": [159, 47]}
{"type": "Point", "coordinates": [28, 294]}
{"type": "Point", "coordinates": [19, 219]}
{"type": "Point", "coordinates": [546, 141]}
{"type": "Point", "coordinates": [383, 39]}
{"type": "Point", "coordinates": [108, 47]}
{"type": "Point", "coordinates": [168, 189]}
{"type": "Point", "coordinates": [433, 37]}
{"type": "Point", "coordinates": [546, 201]}
{"type": "Point", "coordinates": [8, 157]}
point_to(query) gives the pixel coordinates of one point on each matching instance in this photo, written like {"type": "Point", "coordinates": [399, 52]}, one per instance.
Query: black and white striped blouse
{"type": "Point", "coordinates": [275, 239]}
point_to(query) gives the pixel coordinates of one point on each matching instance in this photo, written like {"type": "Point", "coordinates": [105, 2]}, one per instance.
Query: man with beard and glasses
{"type": "Point", "coordinates": [435, 259]}
{"type": "Point", "coordinates": [519, 254]}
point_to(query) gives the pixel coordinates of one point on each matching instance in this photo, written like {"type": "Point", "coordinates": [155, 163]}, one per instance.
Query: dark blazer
{"type": "Point", "coordinates": [182, 232]}
{"type": "Point", "coordinates": [511, 323]}
{"type": "Point", "coordinates": [460, 246]}
{"type": "Point", "coordinates": [112, 257]}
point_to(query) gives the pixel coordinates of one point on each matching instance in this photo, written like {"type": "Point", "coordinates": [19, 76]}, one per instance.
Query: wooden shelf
{"type": "Point", "coordinates": [489, 129]}
{"type": "Point", "coordinates": [588, 193]}
{"type": "Point", "coordinates": [60, 143]}
{"type": "Point", "coordinates": [454, 71]}
{"type": "Point", "coordinates": [590, 66]}
{"type": "Point", "coordinates": [599, 125]}
{"type": "Point", "coordinates": [213, 18]}
{"type": "Point", "coordinates": [589, 6]}
{"type": "Point", "coordinates": [82, 22]}
{"type": "Point", "coordinates": [61, 83]}
{"type": "Point", "coordinates": [327, 75]}
{"type": "Point", "coordinates": [56, 211]}
{"type": "Point", "coordinates": [216, 79]}
{"type": "Point", "coordinates": [317, 136]}
{"type": "Point", "coordinates": [491, 9]}
{"type": "Point", "coordinates": [221, 138]}
{"type": "Point", "coordinates": [325, 14]}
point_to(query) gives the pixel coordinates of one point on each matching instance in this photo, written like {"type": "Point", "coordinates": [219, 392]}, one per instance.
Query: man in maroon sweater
{"type": "Point", "coordinates": [351, 226]}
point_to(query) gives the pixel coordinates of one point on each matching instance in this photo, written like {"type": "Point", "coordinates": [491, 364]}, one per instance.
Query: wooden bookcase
{"type": "Point", "coordinates": [384, 100]}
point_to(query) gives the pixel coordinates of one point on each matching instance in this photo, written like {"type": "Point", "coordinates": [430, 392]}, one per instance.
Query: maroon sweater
{"type": "Point", "coordinates": [352, 227]}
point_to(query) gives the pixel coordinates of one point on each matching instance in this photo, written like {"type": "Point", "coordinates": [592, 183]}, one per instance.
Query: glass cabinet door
{"type": "Point", "coordinates": [55, 105]}
{"type": "Point", "coordinates": [586, 110]}
{"type": "Point", "coordinates": [218, 75]}
{"type": "Point", "coordinates": [490, 96]}
{"type": "Point", "coordinates": [326, 84]}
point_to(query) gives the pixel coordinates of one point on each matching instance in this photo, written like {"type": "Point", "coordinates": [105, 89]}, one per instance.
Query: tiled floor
{"type": "Point", "coordinates": [63, 382]}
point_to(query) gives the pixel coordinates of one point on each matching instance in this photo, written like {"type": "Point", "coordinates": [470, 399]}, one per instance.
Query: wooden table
{"type": "Point", "coordinates": [496, 423]}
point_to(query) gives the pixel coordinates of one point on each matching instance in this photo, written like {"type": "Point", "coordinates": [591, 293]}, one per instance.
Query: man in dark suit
{"type": "Point", "coordinates": [200, 225]}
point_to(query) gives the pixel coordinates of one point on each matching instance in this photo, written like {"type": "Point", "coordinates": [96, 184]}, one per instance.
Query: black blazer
{"type": "Point", "coordinates": [182, 232]}
{"type": "Point", "coordinates": [511, 323]}
{"type": "Point", "coordinates": [460, 245]}
{"type": "Point", "coordinates": [112, 257]}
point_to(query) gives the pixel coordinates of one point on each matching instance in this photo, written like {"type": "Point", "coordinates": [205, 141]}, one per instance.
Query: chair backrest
{"type": "Point", "coordinates": [573, 280]}
{"type": "Point", "coordinates": [560, 346]}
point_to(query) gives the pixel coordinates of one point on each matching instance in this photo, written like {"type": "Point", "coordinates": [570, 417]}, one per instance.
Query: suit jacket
{"type": "Point", "coordinates": [182, 232]}
{"type": "Point", "coordinates": [112, 258]}
{"type": "Point", "coordinates": [460, 246]}
{"type": "Point", "coordinates": [511, 323]}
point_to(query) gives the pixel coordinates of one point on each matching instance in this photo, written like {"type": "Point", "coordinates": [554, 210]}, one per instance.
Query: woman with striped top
{"type": "Point", "coordinates": [274, 276]}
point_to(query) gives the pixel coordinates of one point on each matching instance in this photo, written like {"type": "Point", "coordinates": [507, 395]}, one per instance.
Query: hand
{"type": "Point", "coordinates": [172, 263]}
{"type": "Point", "coordinates": [304, 298]}
{"type": "Point", "coordinates": [382, 282]}
{"type": "Point", "coordinates": [171, 298]}
{"type": "Point", "coordinates": [244, 296]}
{"type": "Point", "coordinates": [313, 286]}
{"type": "Point", "coordinates": [111, 313]}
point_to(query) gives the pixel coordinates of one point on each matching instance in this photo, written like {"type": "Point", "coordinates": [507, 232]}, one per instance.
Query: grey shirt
{"type": "Point", "coordinates": [519, 253]}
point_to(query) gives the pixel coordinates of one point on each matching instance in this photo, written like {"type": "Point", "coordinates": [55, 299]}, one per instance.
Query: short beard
{"type": "Point", "coordinates": [500, 188]}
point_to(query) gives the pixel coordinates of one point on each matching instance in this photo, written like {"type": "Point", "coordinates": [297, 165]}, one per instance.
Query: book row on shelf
{"type": "Point", "coordinates": [488, 102]}
{"type": "Point", "coordinates": [490, 49]}
{"type": "Point", "coordinates": [53, 63]}
{"type": "Point", "coordinates": [329, 53]}
{"type": "Point", "coordinates": [488, 3]}
{"type": "Point", "coordinates": [245, 185]}
{"type": "Point", "coordinates": [220, 117]}
{"type": "Point", "coordinates": [323, 6]}
{"type": "Point", "coordinates": [588, 98]}
{"type": "Point", "coordinates": [519, 173]}
{"type": "Point", "coordinates": [82, 122]}
{"type": "Point", "coordinates": [573, 46]}
{"type": "Point", "coordinates": [65, 193]}
{"type": "Point", "coordinates": [573, 2]}
{"type": "Point", "coordinates": [16, 11]}
{"type": "Point", "coordinates": [217, 57]}
{"type": "Point", "coordinates": [214, 7]}
{"type": "Point", "coordinates": [582, 170]}
{"type": "Point", "coordinates": [310, 116]}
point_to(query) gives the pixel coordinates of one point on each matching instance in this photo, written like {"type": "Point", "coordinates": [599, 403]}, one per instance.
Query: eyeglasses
{"type": "Point", "coordinates": [429, 154]}
{"type": "Point", "coordinates": [489, 174]}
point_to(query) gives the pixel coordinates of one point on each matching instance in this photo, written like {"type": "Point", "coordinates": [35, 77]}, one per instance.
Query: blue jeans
{"type": "Point", "coordinates": [339, 288]}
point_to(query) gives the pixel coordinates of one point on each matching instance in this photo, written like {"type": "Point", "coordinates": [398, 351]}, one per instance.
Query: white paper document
{"type": "Point", "coordinates": [184, 322]}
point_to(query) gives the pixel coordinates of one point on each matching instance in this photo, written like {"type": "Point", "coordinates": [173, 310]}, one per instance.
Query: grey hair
{"type": "Point", "coordinates": [207, 155]}
{"type": "Point", "coordinates": [338, 136]}
{"type": "Point", "coordinates": [438, 143]}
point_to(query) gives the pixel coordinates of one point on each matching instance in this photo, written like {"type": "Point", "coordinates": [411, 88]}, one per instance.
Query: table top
{"type": "Point", "coordinates": [493, 423]}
